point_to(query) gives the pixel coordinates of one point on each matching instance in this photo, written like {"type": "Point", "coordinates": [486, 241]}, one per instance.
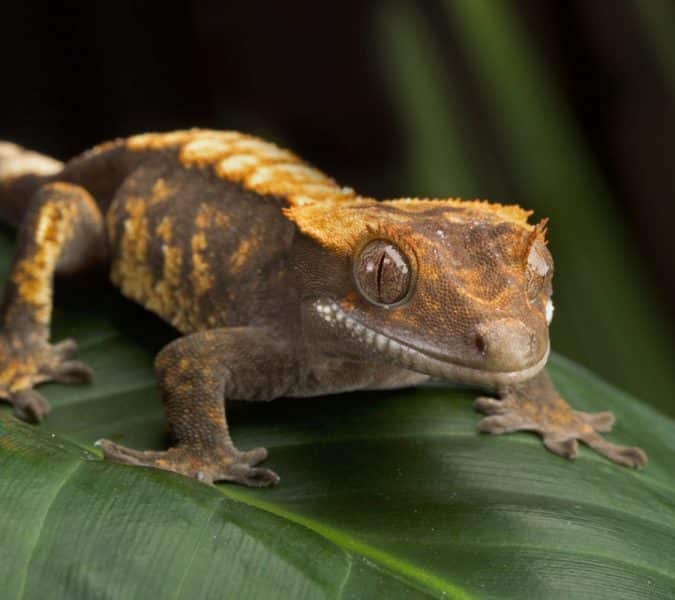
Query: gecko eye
{"type": "Point", "coordinates": [382, 272]}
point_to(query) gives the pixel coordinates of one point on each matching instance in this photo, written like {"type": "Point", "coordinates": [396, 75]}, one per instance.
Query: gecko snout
{"type": "Point", "coordinates": [506, 345]}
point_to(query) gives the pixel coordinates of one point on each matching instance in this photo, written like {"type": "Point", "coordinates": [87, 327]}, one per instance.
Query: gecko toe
{"type": "Point", "coordinates": [73, 371]}
{"type": "Point", "coordinates": [503, 423]}
{"type": "Point", "coordinates": [65, 349]}
{"type": "Point", "coordinates": [628, 456]}
{"type": "Point", "coordinates": [491, 406]}
{"type": "Point", "coordinates": [120, 454]}
{"type": "Point", "coordinates": [600, 421]}
{"type": "Point", "coordinates": [567, 447]}
{"type": "Point", "coordinates": [253, 457]}
{"type": "Point", "coordinates": [252, 476]}
{"type": "Point", "coordinates": [29, 405]}
{"type": "Point", "coordinates": [631, 457]}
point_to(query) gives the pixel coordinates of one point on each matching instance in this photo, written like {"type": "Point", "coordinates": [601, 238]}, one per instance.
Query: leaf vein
{"type": "Point", "coordinates": [66, 477]}
{"type": "Point", "coordinates": [408, 573]}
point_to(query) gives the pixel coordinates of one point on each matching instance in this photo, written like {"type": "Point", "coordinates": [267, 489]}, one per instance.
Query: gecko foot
{"type": "Point", "coordinates": [560, 427]}
{"type": "Point", "coordinates": [24, 365]}
{"type": "Point", "coordinates": [209, 466]}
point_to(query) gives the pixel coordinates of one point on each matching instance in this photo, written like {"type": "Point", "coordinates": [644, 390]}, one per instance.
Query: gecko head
{"type": "Point", "coordinates": [456, 290]}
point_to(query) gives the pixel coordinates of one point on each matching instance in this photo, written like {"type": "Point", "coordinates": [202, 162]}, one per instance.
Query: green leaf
{"type": "Point", "coordinates": [657, 18]}
{"type": "Point", "coordinates": [383, 495]}
{"type": "Point", "coordinates": [438, 151]}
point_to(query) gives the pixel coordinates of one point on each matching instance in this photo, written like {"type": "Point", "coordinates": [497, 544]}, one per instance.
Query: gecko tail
{"type": "Point", "coordinates": [21, 173]}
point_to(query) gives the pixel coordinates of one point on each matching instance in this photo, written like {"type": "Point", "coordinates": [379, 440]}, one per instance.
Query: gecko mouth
{"type": "Point", "coordinates": [414, 359]}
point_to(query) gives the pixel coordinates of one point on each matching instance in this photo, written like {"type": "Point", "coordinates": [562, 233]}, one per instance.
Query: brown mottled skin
{"type": "Point", "coordinates": [280, 282]}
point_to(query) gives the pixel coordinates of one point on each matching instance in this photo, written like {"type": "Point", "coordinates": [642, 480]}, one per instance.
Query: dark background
{"type": "Point", "coordinates": [389, 97]}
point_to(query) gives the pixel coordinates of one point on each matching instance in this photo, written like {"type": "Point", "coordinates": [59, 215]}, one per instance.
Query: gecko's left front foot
{"type": "Point", "coordinates": [209, 466]}
{"type": "Point", "coordinates": [25, 363]}
{"type": "Point", "coordinates": [561, 427]}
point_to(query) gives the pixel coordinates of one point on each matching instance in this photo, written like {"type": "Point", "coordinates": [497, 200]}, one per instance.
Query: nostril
{"type": "Point", "coordinates": [481, 344]}
{"type": "Point", "coordinates": [505, 344]}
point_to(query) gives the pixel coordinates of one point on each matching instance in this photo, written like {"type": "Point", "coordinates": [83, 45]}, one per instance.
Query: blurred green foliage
{"type": "Point", "coordinates": [657, 18]}
{"type": "Point", "coordinates": [607, 315]}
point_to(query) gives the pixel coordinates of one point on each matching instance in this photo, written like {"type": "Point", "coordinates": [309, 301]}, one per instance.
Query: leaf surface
{"type": "Point", "coordinates": [389, 494]}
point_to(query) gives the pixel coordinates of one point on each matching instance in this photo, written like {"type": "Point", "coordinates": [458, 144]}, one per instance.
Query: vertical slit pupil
{"type": "Point", "coordinates": [380, 268]}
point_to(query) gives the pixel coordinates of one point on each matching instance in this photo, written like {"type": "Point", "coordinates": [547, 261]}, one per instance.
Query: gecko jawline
{"type": "Point", "coordinates": [416, 360]}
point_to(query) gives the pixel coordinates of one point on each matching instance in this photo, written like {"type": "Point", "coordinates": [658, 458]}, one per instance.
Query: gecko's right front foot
{"type": "Point", "coordinates": [27, 363]}
{"type": "Point", "coordinates": [209, 466]}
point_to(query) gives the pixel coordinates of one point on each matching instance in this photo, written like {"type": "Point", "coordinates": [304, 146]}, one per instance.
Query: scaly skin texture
{"type": "Point", "coordinates": [280, 282]}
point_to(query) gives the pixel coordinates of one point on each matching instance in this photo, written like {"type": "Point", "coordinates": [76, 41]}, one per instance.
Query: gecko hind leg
{"type": "Point", "coordinates": [536, 406]}
{"type": "Point", "coordinates": [62, 232]}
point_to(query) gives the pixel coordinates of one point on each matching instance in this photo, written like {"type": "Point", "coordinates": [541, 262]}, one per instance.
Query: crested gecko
{"type": "Point", "coordinates": [280, 283]}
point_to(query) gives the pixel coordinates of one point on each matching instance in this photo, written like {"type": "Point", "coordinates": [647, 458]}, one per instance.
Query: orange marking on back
{"type": "Point", "coordinates": [241, 254]}
{"type": "Point", "coordinates": [130, 270]}
{"type": "Point", "coordinates": [202, 279]}
{"type": "Point", "coordinates": [164, 229]}
{"type": "Point", "coordinates": [210, 215]}
{"type": "Point", "coordinates": [259, 166]}
{"type": "Point", "coordinates": [173, 261]}
{"type": "Point", "coordinates": [331, 214]}
{"type": "Point", "coordinates": [160, 191]}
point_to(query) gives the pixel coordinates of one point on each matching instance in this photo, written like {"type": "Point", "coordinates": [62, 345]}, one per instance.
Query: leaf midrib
{"type": "Point", "coordinates": [429, 581]}
{"type": "Point", "coordinates": [393, 566]}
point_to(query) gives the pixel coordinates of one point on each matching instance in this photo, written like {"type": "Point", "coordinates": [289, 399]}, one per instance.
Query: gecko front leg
{"type": "Point", "coordinates": [62, 232]}
{"type": "Point", "coordinates": [536, 406]}
{"type": "Point", "coordinates": [197, 375]}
